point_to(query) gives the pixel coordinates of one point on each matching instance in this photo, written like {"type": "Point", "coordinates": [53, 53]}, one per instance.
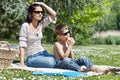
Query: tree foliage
{"type": "Point", "coordinates": [112, 21]}
{"type": "Point", "coordinates": [79, 15]}
{"type": "Point", "coordinates": [12, 13]}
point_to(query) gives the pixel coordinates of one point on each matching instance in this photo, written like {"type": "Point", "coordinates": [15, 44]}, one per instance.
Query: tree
{"type": "Point", "coordinates": [112, 21]}
{"type": "Point", "coordinates": [80, 15]}
{"type": "Point", "coordinates": [12, 13]}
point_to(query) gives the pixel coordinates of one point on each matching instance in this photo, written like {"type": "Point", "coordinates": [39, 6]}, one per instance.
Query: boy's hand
{"type": "Point", "coordinates": [70, 41]}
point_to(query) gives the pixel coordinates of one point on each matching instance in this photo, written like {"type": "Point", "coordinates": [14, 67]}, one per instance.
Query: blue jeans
{"type": "Point", "coordinates": [75, 65]}
{"type": "Point", "coordinates": [42, 60]}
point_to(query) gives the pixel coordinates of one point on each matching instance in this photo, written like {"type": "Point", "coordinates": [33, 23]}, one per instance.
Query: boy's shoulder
{"type": "Point", "coordinates": [58, 43]}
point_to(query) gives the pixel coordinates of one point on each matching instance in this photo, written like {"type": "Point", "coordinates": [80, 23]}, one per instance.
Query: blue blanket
{"type": "Point", "coordinates": [72, 74]}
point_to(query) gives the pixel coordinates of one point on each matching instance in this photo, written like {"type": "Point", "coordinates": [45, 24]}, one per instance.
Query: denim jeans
{"type": "Point", "coordinates": [75, 65]}
{"type": "Point", "coordinates": [42, 60]}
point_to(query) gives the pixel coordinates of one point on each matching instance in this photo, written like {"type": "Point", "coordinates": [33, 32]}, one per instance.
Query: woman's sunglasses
{"type": "Point", "coordinates": [38, 12]}
{"type": "Point", "coordinates": [66, 33]}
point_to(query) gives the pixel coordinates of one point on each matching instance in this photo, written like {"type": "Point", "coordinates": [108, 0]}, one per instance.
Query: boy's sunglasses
{"type": "Point", "coordinates": [38, 12]}
{"type": "Point", "coordinates": [66, 33]}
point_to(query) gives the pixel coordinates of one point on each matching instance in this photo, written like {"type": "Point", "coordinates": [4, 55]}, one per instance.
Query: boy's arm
{"type": "Point", "coordinates": [71, 55]}
{"type": "Point", "coordinates": [60, 51]}
{"type": "Point", "coordinates": [71, 41]}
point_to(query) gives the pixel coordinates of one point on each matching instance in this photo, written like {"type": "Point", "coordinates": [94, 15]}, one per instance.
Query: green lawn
{"type": "Point", "coordinates": [99, 54]}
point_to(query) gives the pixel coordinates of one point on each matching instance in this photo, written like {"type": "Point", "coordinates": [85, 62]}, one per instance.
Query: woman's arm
{"type": "Point", "coordinates": [22, 51]}
{"type": "Point", "coordinates": [22, 42]}
{"type": "Point", "coordinates": [49, 9]}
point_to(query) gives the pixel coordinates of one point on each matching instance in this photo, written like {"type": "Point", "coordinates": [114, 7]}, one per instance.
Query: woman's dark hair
{"type": "Point", "coordinates": [30, 10]}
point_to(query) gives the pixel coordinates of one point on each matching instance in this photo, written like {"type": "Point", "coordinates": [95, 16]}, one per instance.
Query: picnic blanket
{"type": "Point", "coordinates": [57, 72]}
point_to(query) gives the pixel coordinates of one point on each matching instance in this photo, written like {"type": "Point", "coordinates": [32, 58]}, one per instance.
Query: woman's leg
{"type": "Point", "coordinates": [42, 59]}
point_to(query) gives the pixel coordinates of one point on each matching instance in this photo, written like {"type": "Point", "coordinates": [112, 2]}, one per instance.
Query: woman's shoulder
{"type": "Point", "coordinates": [25, 24]}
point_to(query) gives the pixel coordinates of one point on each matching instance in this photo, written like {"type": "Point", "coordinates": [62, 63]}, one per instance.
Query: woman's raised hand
{"type": "Point", "coordinates": [41, 3]}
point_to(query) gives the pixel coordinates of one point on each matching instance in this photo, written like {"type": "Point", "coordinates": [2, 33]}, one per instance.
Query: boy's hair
{"type": "Point", "coordinates": [59, 29]}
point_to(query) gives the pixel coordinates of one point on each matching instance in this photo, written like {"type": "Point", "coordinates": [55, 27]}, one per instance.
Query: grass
{"type": "Point", "coordinates": [99, 54]}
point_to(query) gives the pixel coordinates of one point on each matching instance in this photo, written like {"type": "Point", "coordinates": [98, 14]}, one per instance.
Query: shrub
{"type": "Point", "coordinates": [110, 40]}
{"type": "Point", "coordinates": [117, 39]}
{"type": "Point", "coordinates": [97, 41]}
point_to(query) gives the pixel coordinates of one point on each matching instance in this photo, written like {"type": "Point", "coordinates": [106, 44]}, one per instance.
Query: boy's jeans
{"type": "Point", "coordinates": [42, 60]}
{"type": "Point", "coordinates": [75, 65]}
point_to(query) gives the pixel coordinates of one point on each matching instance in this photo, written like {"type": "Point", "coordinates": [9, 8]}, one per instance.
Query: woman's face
{"type": "Point", "coordinates": [37, 13]}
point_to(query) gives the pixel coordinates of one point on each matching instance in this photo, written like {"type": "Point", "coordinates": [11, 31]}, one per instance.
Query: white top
{"type": "Point", "coordinates": [29, 40]}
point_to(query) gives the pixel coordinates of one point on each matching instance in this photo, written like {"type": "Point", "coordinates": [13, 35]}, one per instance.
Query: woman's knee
{"type": "Point", "coordinates": [47, 62]}
{"type": "Point", "coordinates": [51, 62]}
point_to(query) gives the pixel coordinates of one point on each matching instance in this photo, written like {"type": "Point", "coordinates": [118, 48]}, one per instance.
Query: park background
{"type": "Point", "coordinates": [86, 20]}
{"type": "Point", "coordinates": [94, 24]}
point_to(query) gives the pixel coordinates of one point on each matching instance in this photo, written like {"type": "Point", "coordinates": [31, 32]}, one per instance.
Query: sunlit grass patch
{"type": "Point", "coordinates": [99, 54]}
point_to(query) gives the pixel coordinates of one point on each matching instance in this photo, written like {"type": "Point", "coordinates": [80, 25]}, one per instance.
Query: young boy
{"type": "Point", "coordinates": [64, 55]}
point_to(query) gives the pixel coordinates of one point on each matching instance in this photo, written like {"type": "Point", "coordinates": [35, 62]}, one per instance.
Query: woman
{"type": "Point", "coordinates": [31, 34]}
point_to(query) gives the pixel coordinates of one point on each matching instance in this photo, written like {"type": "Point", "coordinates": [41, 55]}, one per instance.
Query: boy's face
{"type": "Point", "coordinates": [65, 35]}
